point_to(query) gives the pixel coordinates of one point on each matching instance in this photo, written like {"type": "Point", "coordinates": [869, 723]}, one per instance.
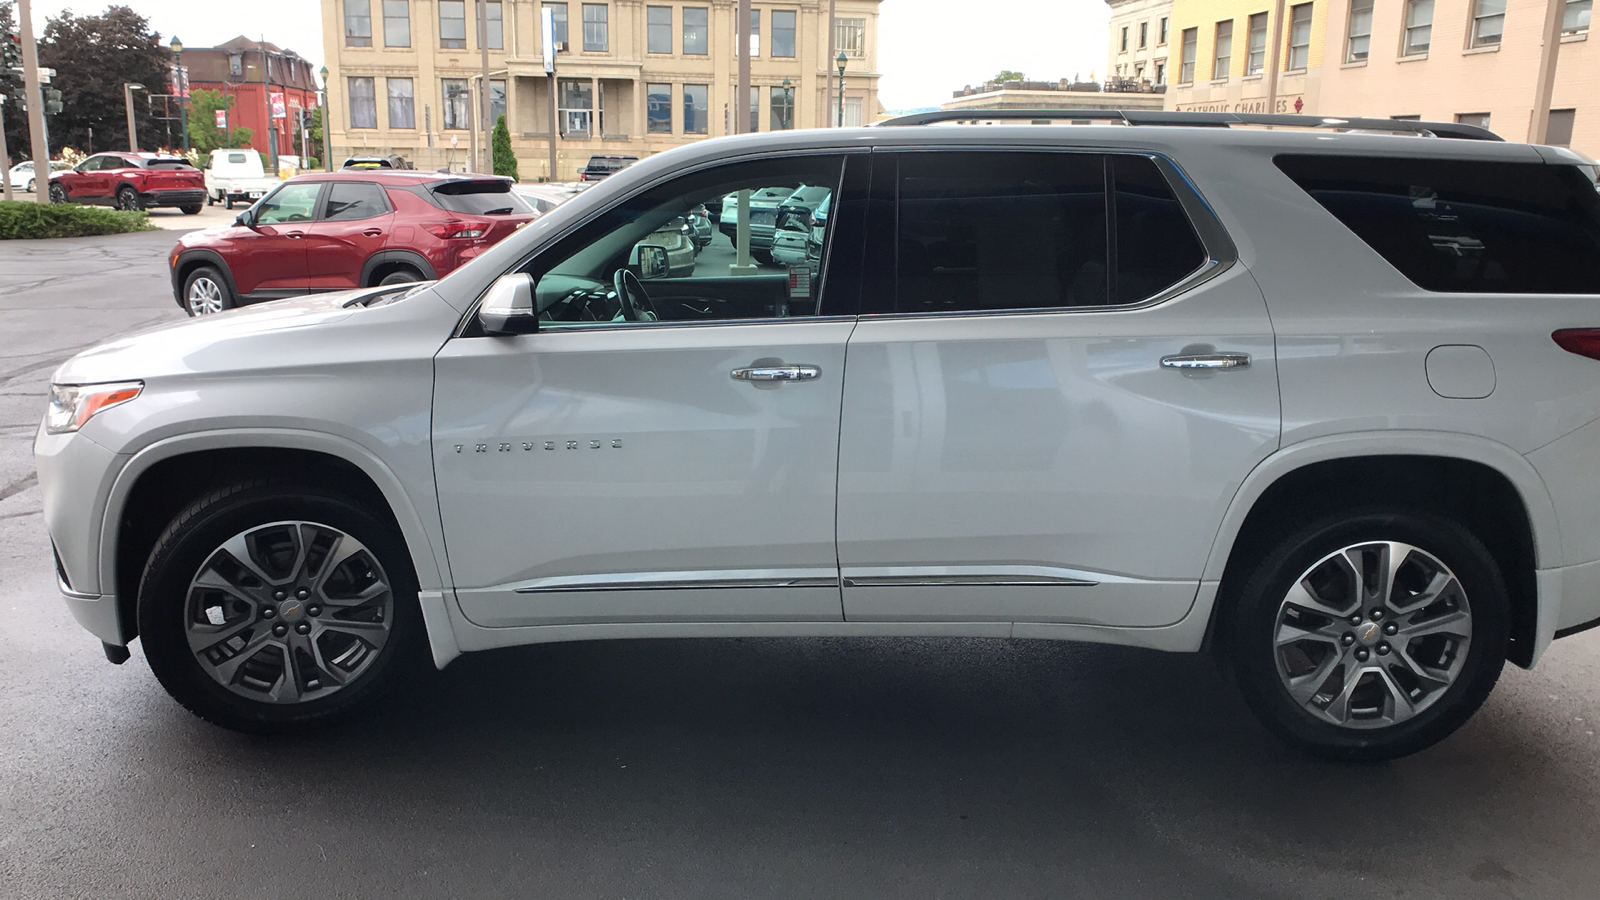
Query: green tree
{"type": "Point", "coordinates": [93, 57]}
{"type": "Point", "coordinates": [313, 137]}
{"type": "Point", "coordinates": [204, 135]}
{"type": "Point", "coordinates": [1008, 75]}
{"type": "Point", "coordinates": [505, 162]}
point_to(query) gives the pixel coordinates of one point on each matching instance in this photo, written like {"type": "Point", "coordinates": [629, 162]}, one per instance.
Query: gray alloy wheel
{"type": "Point", "coordinates": [127, 199]}
{"type": "Point", "coordinates": [58, 194]}
{"type": "Point", "coordinates": [32, 183]}
{"type": "Point", "coordinates": [289, 612]}
{"type": "Point", "coordinates": [204, 297]}
{"type": "Point", "coordinates": [1372, 635]}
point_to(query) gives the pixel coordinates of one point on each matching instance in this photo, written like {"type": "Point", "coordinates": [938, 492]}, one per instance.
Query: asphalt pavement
{"type": "Point", "coordinates": [727, 768]}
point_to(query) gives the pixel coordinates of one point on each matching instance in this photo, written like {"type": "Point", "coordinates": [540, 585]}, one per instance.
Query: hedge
{"type": "Point", "coordinates": [24, 221]}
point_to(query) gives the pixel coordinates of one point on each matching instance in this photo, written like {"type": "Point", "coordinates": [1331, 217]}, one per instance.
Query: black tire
{"type": "Point", "coordinates": [190, 210]}
{"type": "Point", "coordinates": [215, 277]}
{"type": "Point", "coordinates": [201, 528]}
{"type": "Point", "coordinates": [58, 194]}
{"type": "Point", "coordinates": [32, 183]}
{"type": "Point", "coordinates": [128, 199]}
{"type": "Point", "coordinates": [228, 203]}
{"type": "Point", "coordinates": [404, 275]}
{"type": "Point", "coordinates": [210, 200]}
{"type": "Point", "coordinates": [1250, 618]}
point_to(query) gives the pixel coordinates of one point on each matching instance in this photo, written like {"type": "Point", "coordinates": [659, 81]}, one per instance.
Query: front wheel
{"type": "Point", "coordinates": [127, 198]}
{"type": "Point", "coordinates": [206, 292]}
{"type": "Point", "coordinates": [400, 276]}
{"type": "Point", "coordinates": [191, 210]}
{"type": "Point", "coordinates": [1370, 635]}
{"type": "Point", "coordinates": [270, 606]}
{"type": "Point", "coordinates": [58, 194]}
{"type": "Point", "coordinates": [31, 185]}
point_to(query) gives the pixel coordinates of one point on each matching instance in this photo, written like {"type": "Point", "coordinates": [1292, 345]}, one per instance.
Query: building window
{"type": "Point", "coordinates": [1144, 34]}
{"type": "Point", "coordinates": [1419, 27]}
{"type": "Point", "coordinates": [784, 27]}
{"type": "Point", "coordinates": [1575, 19]}
{"type": "Point", "coordinates": [1257, 58]}
{"type": "Point", "coordinates": [1191, 46]}
{"type": "Point", "coordinates": [1224, 50]}
{"type": "Point", "coordinates": [755, 111]}
{"type": "Point", "coordinates": [1559, 133]}
{"type": "Point", "coordinates": [453, 24]}
{"type": "Point", "coordinates": [577, 107]}
{"type": "Point", "coordinates": [696, 103]}
{"type": "Point", "coordinates": [358, 23]}
{"type": "Point", "coordinates": [659, 26]}
{"type": "Point", "coordinates": [494, 25]}
{"type": "Point", "coordinates": [1124, 47]}
{"type": "Point", "coordinates": [852, 112]}
{"type": "Point", "coordinates": [596, 28]}
{"type": "Point", "coordinates": [1161, 71]}
{"type": "Point", "coordinates": [236, 64]}
{"type": "Point", "coordinates": [1162, 40]}
{"type": "Point", "coordinates": [850, 36]}
{"type": "Point", "coordinates": [781, 104]}
{"type": "Point", "coordinates": [1299, 36]}
{"type": "Point", "coordinates": [658, 108]}
{"type": "Point", "coordinates": [1479, 119]}
{"type": "Point", "coordinates": [363, 103]}
{"type": "Point", "coordinates": [402, 103]}
{"type": "Point", "coordinates": [696, 31]}
{"type": "Point", "coordinates": [558, 16]}
{"type": "Point", "coordinates": [497, 99]}
{"type": "Point", "coordinates": [457, 104]}
{"type": "Point", "coordinates": [1488, 22]}
{"type": "Point", "coordinates": [396, 23]}
{"type": "Point", "coordinates": [1360, 31]}
{"type": "Point", "coordinates": [755, 34]}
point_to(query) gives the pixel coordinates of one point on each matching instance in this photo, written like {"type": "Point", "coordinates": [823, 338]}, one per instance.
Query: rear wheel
{"type": "Point", "coordinates": [1369, 636]}
{"type": "Point", "coordinates": [403, 275]}
{"type": "Point", "coordinates": [228, 203]}
{"type": "Point", "coordinates": [271, 606]}
{"type": "Point", "coordinates": [127, 198]}
{"type": "Point", "coordinates": [58, 194]}
{"type": "Point", "coordinates": [193, 210]}
{"type": "Point", "coordinates": [206, 292]}
{"type": "Point", "coordinates": [31, 185]}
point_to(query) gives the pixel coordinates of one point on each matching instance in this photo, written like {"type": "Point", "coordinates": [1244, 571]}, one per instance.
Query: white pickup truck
{"type": "Point", "coordinates": [237, 176]}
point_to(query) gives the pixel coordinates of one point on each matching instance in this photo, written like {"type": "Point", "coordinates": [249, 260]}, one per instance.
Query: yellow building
{"type": "Point", "coordinates": [1471, 61]}
{"type": "Point", "coordinates": [632, 77]}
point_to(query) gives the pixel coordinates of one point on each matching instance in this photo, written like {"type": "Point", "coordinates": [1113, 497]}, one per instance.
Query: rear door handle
{"type": "Point", "coordinates": [777, 373]}
{"type": "Point", "coordinates": [373, 232]}
{"type": "Point", "coordinates": [1207, 361]}
{"type": "Point", "coordinates": [294, 234]}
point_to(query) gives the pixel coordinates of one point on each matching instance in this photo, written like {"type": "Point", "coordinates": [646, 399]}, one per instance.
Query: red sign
{"type": "Point", "coordinates": [279, 110]}
{"type": "Point", "coordinates": [222, 119]}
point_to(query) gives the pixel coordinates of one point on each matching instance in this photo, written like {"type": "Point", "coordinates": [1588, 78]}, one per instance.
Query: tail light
{"type": "Point", "coordinates": [456, 230]}
{"type": "Point", "coordinates": [1582, 341]}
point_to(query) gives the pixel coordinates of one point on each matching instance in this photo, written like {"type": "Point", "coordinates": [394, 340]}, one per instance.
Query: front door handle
{"type": "Point", "coordinates": [1207, 361]}
{"type": "Point", "coordinates": [777, 373]}
{"type": "Point", "coordinates": [297, 235]}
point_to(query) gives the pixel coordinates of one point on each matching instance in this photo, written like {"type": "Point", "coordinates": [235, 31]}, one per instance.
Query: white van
{"type": "Point", "coordinates": [237, 176]}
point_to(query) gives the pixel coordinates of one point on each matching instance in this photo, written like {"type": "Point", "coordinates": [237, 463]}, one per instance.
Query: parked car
{"type": "Point", "coordinates": [704, 230]}
{"type": "Point", "coordinates": [546, 197]}
{"type": "Point", "coordinates": [391, 161]}
{"type": "Point", "coordinates": [764, 204]}
{"type": "Point", "coordinates": [676, 236]}
{"type": "Point", "coordinates": [798, 240]}
{"type": "Point", "coordinates": [237, 176]}
{"type": "Point", "coordinates": [22, 178]}
{"type": "Point", "coordinates": [329, 232]}
{"type": "Point", "coordinates": [131, 181]}
{"type": "Point", "coordinates": [1321, 403]}
{"type": "Point", "coordinates": [601, 167]}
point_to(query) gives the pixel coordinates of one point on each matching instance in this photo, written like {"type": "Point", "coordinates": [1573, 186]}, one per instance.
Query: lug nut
{"type": "Point", "coordinates": [1383, 649]}
{"type": "Point", "coordinates": [280, 630]}
{"type": "Point", "coordinates": [313, 610]}
{"type": "Point", "coordinates": [1362, 655]}
{"type": "Point", "coordinates": [268, 612]}
{"type": "Point", "coordinates": [303, 628]}
{"type": "Point", "coordinates": [1348, 639]}
{"type": "Point", "coordinates": [302, 593]}
{"type": "Point", "coordinates": [1377, 615]}
{"type": "Point", "coordinates": [278, 595]}
{"type": "Point", "coordinates": [1391, 628]}
{"type": "Point", "coordinates": [1355, 619]}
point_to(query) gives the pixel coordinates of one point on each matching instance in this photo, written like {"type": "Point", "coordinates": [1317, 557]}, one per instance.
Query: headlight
{"type": "Point", "coordinates": [72, 405]}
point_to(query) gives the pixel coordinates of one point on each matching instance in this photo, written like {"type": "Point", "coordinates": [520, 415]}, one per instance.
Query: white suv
{"type": "Point", "coordinates": [1325, 403]}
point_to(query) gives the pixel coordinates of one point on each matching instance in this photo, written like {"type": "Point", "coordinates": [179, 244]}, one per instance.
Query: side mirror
{"type": "Point", "coordinates": [245, 220]}
{"type": "Point", "coordinates": [508, 307]}
{"type": "Point", "coordinates": [649, 261]}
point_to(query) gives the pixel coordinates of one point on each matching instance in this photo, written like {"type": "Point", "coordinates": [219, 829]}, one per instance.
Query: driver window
{"type": "Point", "coordinates": [742, 241]}
{"type": "Point", "coordinates": [292, 203]}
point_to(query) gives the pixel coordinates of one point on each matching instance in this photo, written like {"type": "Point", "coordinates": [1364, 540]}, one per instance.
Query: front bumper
{"type": "Point", "coordinates": [173, 198]}
{"type": "Point", "coordinates": [75, 479]}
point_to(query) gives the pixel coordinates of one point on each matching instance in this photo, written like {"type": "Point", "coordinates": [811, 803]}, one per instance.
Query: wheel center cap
{"type": "Point", "coordinates": [292, 611]}
{"type": "Point", "coordinates": [1368, 633]}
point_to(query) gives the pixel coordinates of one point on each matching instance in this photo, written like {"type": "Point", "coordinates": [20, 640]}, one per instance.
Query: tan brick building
{"type": "Point", "coordinates": [1141, 40]}
{"type": "Point", "coordinates": [632, 76]}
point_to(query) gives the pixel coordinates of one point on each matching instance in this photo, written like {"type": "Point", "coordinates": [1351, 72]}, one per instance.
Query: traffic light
{"type": "Point", "coordinates": [10, 52]}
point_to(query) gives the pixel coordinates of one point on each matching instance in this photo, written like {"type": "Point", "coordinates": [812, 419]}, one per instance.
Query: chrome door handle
{"type": "Point", "coordinates": [777, 373]}
{"type": "Point", "coordinates": [1207, 361]}
{"type": "Point", "coordinates": [297, 235]}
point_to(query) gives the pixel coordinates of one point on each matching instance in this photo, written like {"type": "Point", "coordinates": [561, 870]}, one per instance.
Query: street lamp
{"type": "Point", "coordinates": [183, 89]}
{"type": "Point", "coordinates": [327, 145]}
{"type": "Point", "coordinates": [128, 87]}
{"type": "Point", "coordinates": [788, 99]}
{"type": "Point", "coordinates": [841, 61]}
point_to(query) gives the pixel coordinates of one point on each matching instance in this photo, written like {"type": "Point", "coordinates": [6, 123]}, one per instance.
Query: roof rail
{"type": "Point", "coordinates": [1198, 119]}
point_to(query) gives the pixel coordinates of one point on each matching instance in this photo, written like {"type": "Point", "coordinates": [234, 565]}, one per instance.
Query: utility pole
{"type": "Point", "coordinates": [5, 160]}
{"type": "Point", "coordinates": [741, 97]}
{"type": "Point", "coordinates": [548, 33]}
{"type": "Point", "coordinates": [1272, 58]}
{"type": "Point", "coordinates": [30, 80]}
{"type": "Point", "coordinates": [486, 126]}
{"type": "Point", "coordinates": [1539, 126]}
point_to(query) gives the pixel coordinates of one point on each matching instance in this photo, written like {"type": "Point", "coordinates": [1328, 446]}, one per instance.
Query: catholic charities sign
{"type": "Point", "coordinates": [1292, 103]}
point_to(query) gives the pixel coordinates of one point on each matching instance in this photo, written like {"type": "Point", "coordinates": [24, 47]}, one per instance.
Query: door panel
{"type": "Point", "coordinates": [271, 256]}
{"type": "Point", "coordinates": [355, 225]}
{"type": "Point", "coordinates": [621, 474]}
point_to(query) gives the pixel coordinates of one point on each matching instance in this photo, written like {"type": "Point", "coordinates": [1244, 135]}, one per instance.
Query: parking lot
{"type": "Point", "coordinates": [729, 768]}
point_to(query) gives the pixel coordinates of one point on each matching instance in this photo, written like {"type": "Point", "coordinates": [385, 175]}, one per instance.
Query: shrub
{"type": "Point", "coordinates": [24, 221]}
{"type": "Point", "coordinates": [505, 161]}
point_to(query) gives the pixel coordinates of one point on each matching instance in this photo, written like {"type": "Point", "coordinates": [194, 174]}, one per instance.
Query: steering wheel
{"type": "Point", "coordinates": [636, 304]}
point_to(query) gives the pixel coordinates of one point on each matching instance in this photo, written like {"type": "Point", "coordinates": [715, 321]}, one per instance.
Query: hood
{"type": "Point", "coordinates": [297, 331]}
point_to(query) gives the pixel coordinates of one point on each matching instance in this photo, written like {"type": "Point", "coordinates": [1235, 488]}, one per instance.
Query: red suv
{"type": "Point", "coordinates": [131, 181]}
{"type": "Point", "coordinates": [330, 232]}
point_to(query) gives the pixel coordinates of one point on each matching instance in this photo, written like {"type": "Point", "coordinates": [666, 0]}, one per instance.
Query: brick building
{"type": "Point", "coordinates": [253, 72]}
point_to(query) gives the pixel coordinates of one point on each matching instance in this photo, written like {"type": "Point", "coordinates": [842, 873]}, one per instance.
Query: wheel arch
{"type": "Point", "coordinates": [189, 260]}
{"type": "Point", "coordinates": [160, 480]}
{"type": "Point", "coordinates": [1488, 486]}
{"type": "Point", "coordinates": [384, 260]}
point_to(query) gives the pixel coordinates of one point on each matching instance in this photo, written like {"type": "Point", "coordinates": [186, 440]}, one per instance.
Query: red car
{"type": "Point", "coordinates": [344, 230]}
{"type": "Point", "coordinates": [132, 181]}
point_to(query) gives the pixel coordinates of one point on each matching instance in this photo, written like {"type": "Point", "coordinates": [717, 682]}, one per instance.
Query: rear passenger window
{"type": "Point", "coordinates": [1464, 226]}
{"type": "Point", "coordinates": [349, 200]}
{"type": "Point", "coordinates": [991, 232]}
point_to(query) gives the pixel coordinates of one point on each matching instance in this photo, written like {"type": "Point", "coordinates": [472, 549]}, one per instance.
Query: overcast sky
{"type": "Point", "coordinates": [927, 48]}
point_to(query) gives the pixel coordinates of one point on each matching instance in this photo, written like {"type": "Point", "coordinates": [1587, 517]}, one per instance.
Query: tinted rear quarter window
{"type": "Point", "coordinates": [480, 198]}
{"type": "Point", "coordinates": [1465, 226]}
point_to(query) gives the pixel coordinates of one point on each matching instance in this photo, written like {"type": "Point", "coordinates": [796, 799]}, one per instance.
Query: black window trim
{"type": "Point", "coordinates": [883, 227]}
{"type": "Point", "coordinates": [853, 180]}
{"type": "Point", "coordinates": [327, 194]}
